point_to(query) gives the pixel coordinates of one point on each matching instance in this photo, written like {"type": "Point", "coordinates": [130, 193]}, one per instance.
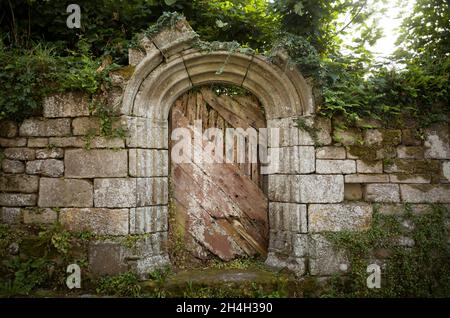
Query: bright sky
{"type": "Point", "coordinates": [390, 22]}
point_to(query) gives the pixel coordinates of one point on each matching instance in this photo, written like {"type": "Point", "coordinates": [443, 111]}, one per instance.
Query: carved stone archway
{"type": "Point", "coordinates": [171, 67]}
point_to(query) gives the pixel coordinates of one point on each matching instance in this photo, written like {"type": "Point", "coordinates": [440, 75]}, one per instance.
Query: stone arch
{"type": "Point", "coordinates": [170, 67]}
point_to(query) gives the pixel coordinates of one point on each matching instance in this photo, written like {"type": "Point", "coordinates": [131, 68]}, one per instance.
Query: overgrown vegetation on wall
{"type": "Point", "coordinates": [36, 257]}
{"type": "Point", "coordinates": [34, 261]}
{"type": "Point", "coordinates": [30, 74]}
{"type": "Point", "coordinates": [39, 56]}
{"type": "Point", "coordinates": [412, 250]}
{"type": "Point", "coordinates": [38, 49]}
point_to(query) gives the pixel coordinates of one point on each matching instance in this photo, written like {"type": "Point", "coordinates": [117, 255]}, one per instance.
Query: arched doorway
{"type": "Point", "coordinates": [171, 67]}
{"type": "Point", "coordinates": [218, 206]}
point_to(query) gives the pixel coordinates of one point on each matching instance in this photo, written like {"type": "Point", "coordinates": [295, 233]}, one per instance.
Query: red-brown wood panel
{"type": "Point", "coordinates": [220, 206]}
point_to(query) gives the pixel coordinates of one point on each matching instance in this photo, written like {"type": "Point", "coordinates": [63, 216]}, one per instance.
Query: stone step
{"type": "Point", "coordinates": [212, 282]}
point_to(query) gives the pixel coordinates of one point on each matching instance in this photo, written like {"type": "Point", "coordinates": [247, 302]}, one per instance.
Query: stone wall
{"type": "Point", "coordinates": [55, 169]}
{"type": "Point", "coordinates": [340, 176]}
{"type": "Point", "coordinates": [58, 168]}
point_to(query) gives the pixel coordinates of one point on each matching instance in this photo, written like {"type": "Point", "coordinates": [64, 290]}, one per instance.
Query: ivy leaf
{"type": "Point", "coordinates": [170, 2]}
{"type": "Point", "coordinates": [221, 24]}
{"type": "Point", "coordinates": [298, 8]}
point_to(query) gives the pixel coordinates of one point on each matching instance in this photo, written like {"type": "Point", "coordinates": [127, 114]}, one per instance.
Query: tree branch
{"type": "Point", "coordinates": [354, 17]}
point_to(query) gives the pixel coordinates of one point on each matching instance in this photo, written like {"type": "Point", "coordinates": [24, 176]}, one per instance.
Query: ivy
{"type": "Point", "coordinates": [123, 285]}
{"type": "Point", "coordinates": [43, 253]}
{"type": "Point", "coordinates": [301, 54]}
{"type": "Point", "coordinates": [28, 75]}
{"type": "Point", "coordinates": [25, 78]}
{"type": "Point", "coordinates": [350, 85]}
{"type": "Point", "coordinates": [419, 271]}
{"type": "Point", "coordinates": [166, 20]}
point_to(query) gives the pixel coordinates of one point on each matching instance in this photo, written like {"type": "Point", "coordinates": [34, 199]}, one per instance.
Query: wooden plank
{"type": "Point", "coordinates": [227, 115]}
{"type": "Point", "coordinates": [253, 240]}
{"type": "Point", "coordinates": [236, 181]}
{"type": "Point", "coordinates": [201, 103]}
{"type": "Point", "coordinates": [199, 191]}
{"type": "Point", "coordinates": [238, 186]}
{"type": "Point", "coordinates": [212, 120]}
{"type": "Point", "coordinates": [255, 173]}
{"type": "Point", "coordinates": [225, 211]}
{"type": "Point", "coordinates": [254, 117]}
{"type": "Point", "coordinates": [183, 103]}
{"type": "Point", "coordinates": [207, 231]}
{"type": "Point", "coordinates": [190, 194]}
{"type": "Point", "coordinates": [191, 108]}
{"type": "Point", "coordinates": [177, 112]}
{"type": "Point", "coordinates": [246, 245]}
{"type": "Point", "coordinates": [221, 123]}
{"type": "Point", "coordinates": [249, 102]}
{"type": "Point", "coordinates": [198, 106]}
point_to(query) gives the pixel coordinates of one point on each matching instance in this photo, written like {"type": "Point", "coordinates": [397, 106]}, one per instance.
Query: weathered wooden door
{"type": "Point", "coordinates": [218, 209]}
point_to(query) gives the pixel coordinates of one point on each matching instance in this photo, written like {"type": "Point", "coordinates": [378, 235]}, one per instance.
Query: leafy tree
{"type": "Point", "coordinates": [312, 32]}
{"type": "Point", "coordinates": [249, 22]}
{"type": "Point", "coordinates": [105, 24]}
{"type": "Point", "coordinates": [426, 32]}
{"type": "Point", "coordinates": [321, 23]}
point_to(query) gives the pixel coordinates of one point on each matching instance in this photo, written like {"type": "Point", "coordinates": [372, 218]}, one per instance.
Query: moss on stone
{"type": "Point", "coordinates": [375, 151]}
{"type": "Point", "coordinates": [348, 136]}
{"type": "Point", "coordinates": [126, 72]}
{"type": "Point", "coordinates": [391, 137]}
{"type": "Point", "coordinates": [366, 153]}
{"type": "Point", "coordinates": [418, 270]}
{"type": "Point", "coordinates": [166, 20]}
{"type": "Point", "coordinates": [413, 166]}
{"type": "Point", "coordinates": [414, 152]}
{"type": "Point", "coordinates": [225, 283]}
{"type": "Point", "coordinates": [35, 210]}
{"type": "Point", "coordinates": [40, 258]}
{"type": "Point", "coordinates": [423, 187]}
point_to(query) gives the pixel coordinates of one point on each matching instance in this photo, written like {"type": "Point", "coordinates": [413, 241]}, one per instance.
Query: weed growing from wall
{"type": "Point", "coordinates": [421, 270]}
{"type": "Point", "coordinates": [122, 285]}
{"type": "Point", "coordinates": [36, 257]}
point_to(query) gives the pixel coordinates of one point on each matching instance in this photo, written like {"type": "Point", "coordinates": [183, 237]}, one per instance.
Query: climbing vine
{"type": "Point", "coordinates": [421, 270]}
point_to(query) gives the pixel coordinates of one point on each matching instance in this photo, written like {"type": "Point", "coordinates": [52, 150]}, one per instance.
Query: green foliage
{"type": "Point", "coordinates": [122, 285]}
{"type": "Point", "coordinates": [354, 86]}
{"type": "Point", "coordinates": [40, 259]}
{"type": "Point", "coordinates": [80, 70]}
{"type": "Point", "coordinates": [30, 74]}
{"type": "Point", "coordinates": [25, 78]}
{"type": "Point", "coordinates": [419, 271]}
{"type": "Point", "coordinates": [240, 263]}
{"type": "Point", "coordinates": [166, 20]}
{"type": "Point", "coordinates": [28, 275]}
{"type": "Point", "coordinates": [310, 129]}
{"type": "Point", "coordinates": [349, 84]}
{"type": "Point", "coordinates": [160, 275]}
{"type": "Point", "coordinates": [107, 25]}
{"type": "Point", "coordinates": [252, 291]}
{"type": "Point", "coordinates": [56, 237]}
{"type": "Point", "coordinates": [425, 33]}
{"type": "Point", "coordinates": [318, 22]}
{"type": "Point", "coordinates": [230, 47]}
{"type": "Point", "coordinates": [386, 94]}
{"type": "Point", "coordinates": [251, 23]}
{"type": "Point", "coordinates": [107, 120]}
{"type": "Point", "coordinates": [229, 90]}
{"type": "Point", "coordinates": [301, 54]}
